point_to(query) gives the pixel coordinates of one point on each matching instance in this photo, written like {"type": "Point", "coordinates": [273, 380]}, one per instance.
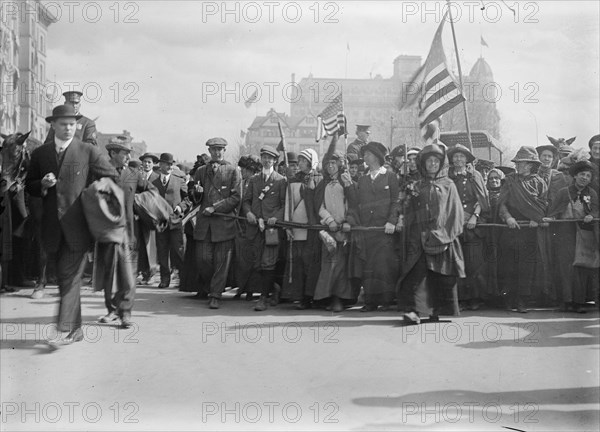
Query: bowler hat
{"type": "Point", "coordinates": [459, 148]}
{"type": "Point", "coordinates": [134, 163]}
{"type": "Point", "coordinates": [549, 147]}
{"type": "Point", "coordinates": [580, 166]}
{"type": "Point", "coordinates": [63, 111]}
{"type": "Point", "coordinates": [117, 143]}
{"type": "Point", "coordinates": [270, 151]}
{"type": "Point", "coordinates": [526, 154]}
{"type": "Point", "coordinates": [149, 155]}
{"type": "Point", "coordinates": [167, 158]}
{"type": "Point", "coordinates": [216, 142]}
{"type": "Point", "coordinates": [376, 148]}
{"type": "Point", "coordinates": [292, 157]}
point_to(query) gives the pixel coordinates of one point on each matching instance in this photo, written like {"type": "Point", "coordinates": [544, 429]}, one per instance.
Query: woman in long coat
{"type": "Point", "coordinates": [434, 221]}
{"type": "Point", "coordinates": [377, 206]}
{"type": "Point", "coordinates": [578, 255]}
{"type": "Point", "coordinates": [522, 198]}
{"type": "Point", "coordinates": [333, 196]}
{"type": "Point", "coordinates": [475, 203]}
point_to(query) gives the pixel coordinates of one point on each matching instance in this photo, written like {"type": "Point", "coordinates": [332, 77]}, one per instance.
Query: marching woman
{"type": "Point", "coordinates": [522, 197]}
{"type": "Point", "coordinates": [578, 255]}
{"type": "Point", "coordinates": [433, 222]}
{"type": "Point", "coordinates": [377, 206]}
{"type": "Point", "coordinates": [332, 199]}
{"type": "Point", "coordinates": [475, 202]}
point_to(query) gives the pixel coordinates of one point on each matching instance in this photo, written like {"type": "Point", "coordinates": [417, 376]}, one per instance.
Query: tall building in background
{"type": "Point", "coordinates": [9, 71]}
{"type": "Point", "coordinates": [34, 20]}
{"type": "Point", "coordinates": [372, 101]}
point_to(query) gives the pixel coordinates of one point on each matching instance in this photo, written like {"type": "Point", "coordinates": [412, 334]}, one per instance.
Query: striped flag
{"type": "Point", "coordinates": [438, 90]}
{"type": "Point", "coordinates": [332, 120]}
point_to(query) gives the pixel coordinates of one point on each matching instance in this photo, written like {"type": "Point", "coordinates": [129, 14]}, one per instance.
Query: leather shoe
{"type": "Point", "coordinates": [411, 318]}
{"type": "Point", "coordinates": [109, 317]}
{"type": "Point", "coordinates": [38, 293]}
{"type": "Point", "coordinates": [261, 305]}
{"type": "Point", "coordinates": [74, 336]}
{"type": "Point", "coordinates": [276, 294]}
{"type": "Point", "coordinates": [368, 308]}
{"type": "Point", "coordinates": [164, 284]}
{"type": "Point", "coordinates": [213, 303]}
{"type": "Point", "coordinates": [126, 321]}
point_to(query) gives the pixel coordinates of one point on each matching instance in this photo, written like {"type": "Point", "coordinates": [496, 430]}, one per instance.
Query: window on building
{"type": "Point", "coordinates": [42, 44]}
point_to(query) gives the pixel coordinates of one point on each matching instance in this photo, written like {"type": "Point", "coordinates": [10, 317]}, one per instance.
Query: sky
{"type": "Point", "coordinates": [176, 73]}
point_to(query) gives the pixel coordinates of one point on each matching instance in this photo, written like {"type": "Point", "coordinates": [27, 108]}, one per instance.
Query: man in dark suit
{"type": "Point", "coordinates": [218, 189]}
{"type": "Point", "coordinates": [169, 243]}
{"type": "Point", "coordinates": [115, 261]}
{"type": "Point", "coordinates": [263, 205]}
{"type": "Point", "coordinates": [59, 173]}
{"type": "Point", "coordinates": [86, 128]}
{"type": "Point", "coordinates": [147, 237]}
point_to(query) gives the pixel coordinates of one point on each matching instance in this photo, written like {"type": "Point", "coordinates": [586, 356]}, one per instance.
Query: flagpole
{"type": "Point", "coordinates": [460, 77]}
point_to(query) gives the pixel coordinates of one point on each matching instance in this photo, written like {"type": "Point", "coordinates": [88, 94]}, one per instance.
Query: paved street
{"type": "Point", "coordinates": [183, 367]}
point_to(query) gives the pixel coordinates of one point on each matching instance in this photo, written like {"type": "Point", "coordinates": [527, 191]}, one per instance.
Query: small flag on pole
{"type": "Point", "coordinates": [251, 99]}
{"type": "Point", "coordinates": [332, 119]}
{"type": "Point", "coordinates": [281, 145]}
{"type": "Point", "coordinates": [483, 42]}
{"type": "Point", "coordinates": [438, 91]}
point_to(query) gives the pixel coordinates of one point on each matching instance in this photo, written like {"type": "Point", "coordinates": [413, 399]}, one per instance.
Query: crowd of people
{"type": "Point", "coordinates": [428, 230]}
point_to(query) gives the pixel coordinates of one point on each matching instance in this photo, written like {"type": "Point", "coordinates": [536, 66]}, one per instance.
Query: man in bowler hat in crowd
{"type": "Point", "coordinates": [86, 128]}
{"type": "Point", "coordinates": [60, 170]}
{"type": "Point", "coordinates": [147, 237]}
{"type": "Point", "coordinates": [169, 243]}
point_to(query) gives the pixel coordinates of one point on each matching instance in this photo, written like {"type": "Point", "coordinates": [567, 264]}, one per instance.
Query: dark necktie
{"type": "Point", "coordinates": [165, 181]}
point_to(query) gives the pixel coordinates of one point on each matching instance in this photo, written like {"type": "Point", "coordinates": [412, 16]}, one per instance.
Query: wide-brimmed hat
{"type": "Point", "coordinates": [149, 155]}
{"type": "Point", "coordinates": [580, 166]}
{"type": "Point", "coordinates": [63, 111]}
{"type": "Point", "coordinates": [432, 150]}
{"type": "Point", "coordinates": [526, 154]}
{"type": "Point", "coordinates": [270, 151]}
{"type": "Point", "coordinates": [118, 143]}
{"type": "Point", "coordinates": [550, 147]}
{"type": "Point", "coordinates": [216, 142]}
{"type": "Point", "coordinates": [376, 148]}
{"type": "Point", "coordinates": [459, 148]}
{"type": "Point", "coordinates": [166, 158]}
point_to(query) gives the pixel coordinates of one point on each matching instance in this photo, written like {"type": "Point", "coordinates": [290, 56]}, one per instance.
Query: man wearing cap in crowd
{"type": "Point", "coordinates": [362, 137]}
{"type": "Point", "coordinates": [115, 263]}
{"type": "Point", "coordinates": [59, 172]}
{"type": "Point", "coordinates": [86, 128]}
{"type": "Point", "coordinates": [263, 206]}
{"type": "Point", "coordinates": [218, 190]}
{"type": "Point", "coordinates": [169, 243]}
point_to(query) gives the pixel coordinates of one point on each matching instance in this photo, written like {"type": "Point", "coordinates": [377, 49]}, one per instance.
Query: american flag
{"type": "Point", "coordinates": [332, 120]}
{"type": "Point", "coordinates": [438, 90]}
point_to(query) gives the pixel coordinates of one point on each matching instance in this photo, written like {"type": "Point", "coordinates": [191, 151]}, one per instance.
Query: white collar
{"type": "Point", "coordinates": [374, 174]}
{"type": "Point", "coordinates": [61, 144]}
{"type": "Point", "coordinates": [267, 172]}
